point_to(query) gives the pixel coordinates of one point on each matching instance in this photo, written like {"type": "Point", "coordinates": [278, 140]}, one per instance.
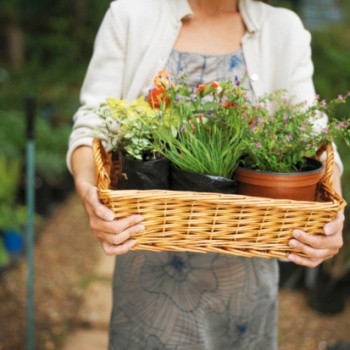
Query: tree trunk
{"type": "Point", "coordinates": [14, 45]}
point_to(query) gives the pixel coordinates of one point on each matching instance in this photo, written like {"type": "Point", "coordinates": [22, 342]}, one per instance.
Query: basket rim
{"type": "Point", "coordinates": [103, 160]}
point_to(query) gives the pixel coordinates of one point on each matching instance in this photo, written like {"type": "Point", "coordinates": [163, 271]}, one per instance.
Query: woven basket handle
{"type": "Point", "coordinates": [328, 176]}
{"type": "Point", "coordinates": [103, 165]}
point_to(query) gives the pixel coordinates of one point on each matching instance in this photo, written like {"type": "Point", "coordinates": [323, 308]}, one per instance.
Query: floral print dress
{"type": "Point", "coordinates": [194, 301]}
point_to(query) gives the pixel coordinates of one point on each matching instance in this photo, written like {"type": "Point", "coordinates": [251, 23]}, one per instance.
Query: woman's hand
{"type": "Point", "coordinates": [318, 248]}
{"type": "Point", "coordinates": [114, 235]}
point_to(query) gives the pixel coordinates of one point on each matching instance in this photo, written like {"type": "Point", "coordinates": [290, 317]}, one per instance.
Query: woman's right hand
{"type": "Point", "coordinates": [114, 235]}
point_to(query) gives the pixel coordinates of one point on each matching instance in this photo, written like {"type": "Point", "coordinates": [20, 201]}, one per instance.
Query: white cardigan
{"type": "Point", "coordinates": [137, 36]}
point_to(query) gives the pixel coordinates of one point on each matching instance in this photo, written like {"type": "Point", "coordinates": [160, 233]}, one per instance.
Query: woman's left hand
{"type": "Point", "coordinates": [318, 248]}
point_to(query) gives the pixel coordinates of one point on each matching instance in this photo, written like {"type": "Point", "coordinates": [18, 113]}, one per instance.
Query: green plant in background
{"type": "Point", "coordinates": [9, 179]}
{"type": "Point", "coordinates": [13, 217]}
{"type": "Point", "coordinates": [331, 56]}
{"type": "Point", "coordinates": [51, 144]}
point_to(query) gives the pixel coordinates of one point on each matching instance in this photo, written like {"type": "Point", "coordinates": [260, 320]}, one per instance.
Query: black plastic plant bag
{"type": "Point", "coordinates": [143, 175]}
{"type": "Point", "coordinates": [181, 180]}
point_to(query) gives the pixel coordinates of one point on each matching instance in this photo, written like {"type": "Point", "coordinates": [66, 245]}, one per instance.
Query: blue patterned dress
{"type": "Point", "coordinates": [194, 301]}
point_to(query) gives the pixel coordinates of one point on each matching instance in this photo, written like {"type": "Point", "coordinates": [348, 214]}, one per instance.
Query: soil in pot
{"type": "Point", "coordinates": [295, 186]}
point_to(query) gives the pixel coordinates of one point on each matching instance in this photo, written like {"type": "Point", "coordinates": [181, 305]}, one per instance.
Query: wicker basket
{"type": "Point", "coordinates": [211, 222]}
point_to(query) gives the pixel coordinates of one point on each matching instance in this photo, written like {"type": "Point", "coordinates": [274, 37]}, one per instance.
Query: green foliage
{"type": "Point", "coordinates": [12, 217]}
{"type": "Point", "coordinates": [201, 131]}
{"type": "Point", "coordinates": [331, 56]}
{"type": "Point", "coordinates": [281, 141]}
{"type": "Point", "coordinates": [50, 144]}
{"type": "Point", "coordinates": [128, 127]}
{"type": "Point", "coordinates": [9, 179]}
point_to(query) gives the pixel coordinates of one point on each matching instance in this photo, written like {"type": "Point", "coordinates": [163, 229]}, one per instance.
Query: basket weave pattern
{"type": "Point", "coordinates": [211, 222]}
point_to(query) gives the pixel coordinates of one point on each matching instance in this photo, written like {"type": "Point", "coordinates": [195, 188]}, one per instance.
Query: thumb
{"type": "Point", "coordinates": [98, 208]}
{"type": "Point", "coordinates": [104, 213]}
{"type": "Point", "coordinates": [335, 224]}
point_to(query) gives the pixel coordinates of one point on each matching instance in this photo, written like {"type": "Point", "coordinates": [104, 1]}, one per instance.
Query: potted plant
{"type": "Point", "coordinates": [216, 126]}
{"type": "Point", "coordinates": [128, 129]}
{"type": "Point", "coordinates": [282, 146]}
{"type": "Point", "coordinates": [201, 132]}
{"type": "Point", "coordinates": [207, 132]}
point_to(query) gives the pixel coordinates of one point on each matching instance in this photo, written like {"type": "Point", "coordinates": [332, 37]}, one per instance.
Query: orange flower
{"type": "Point", "coordinates": [215, 84]}
{"type": "Point", "coordinates": [201, 88]}
{"type": "Point", "coordinates": [229, 104]}
{"type": "Point", "coordinates": [162, 79]}
{"type": "Point", "coordinates": [156, 96]}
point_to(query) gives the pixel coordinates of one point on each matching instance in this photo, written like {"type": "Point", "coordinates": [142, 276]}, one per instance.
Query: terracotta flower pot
{"type": "Point", "coordinates": [296, 186]}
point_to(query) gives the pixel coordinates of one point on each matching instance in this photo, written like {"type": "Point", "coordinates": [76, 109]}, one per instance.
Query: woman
{"type": "Point", "coordinates": [185, 300]}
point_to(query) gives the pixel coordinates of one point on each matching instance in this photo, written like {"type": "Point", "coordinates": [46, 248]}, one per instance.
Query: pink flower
{"type": "Point", "coordinates": [324, 103]}
{"type": "Point", "coordinates": [261, 120]}
{"type": "Point", "coordinates": [317, 96]}
{"type": "Point", "coordinates": [258, 145]}
{"type": "Point", "coordinates": [341, 124]}
{"type": "Point", "coordinates": [288, 137]}
{"type": "Point", "coordinates": [285, 117]}
{"type": "Point", "coordinates": [254, 127]}
{"type": "Point", "coordinates": [340, 97]}
{"type": "Point", "coordinates": [303, 128]}
{"type": "Point", "coordinates": [325, 130]}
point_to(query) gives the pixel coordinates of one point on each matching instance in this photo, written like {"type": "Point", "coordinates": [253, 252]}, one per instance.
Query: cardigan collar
{"type": "Point", "coordinates": [181, 9]}
{"type": "Point", "coordinates": [252, 12]}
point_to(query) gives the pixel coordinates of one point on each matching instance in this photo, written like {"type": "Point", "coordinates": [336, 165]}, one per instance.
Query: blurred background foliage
{"type": "Point", "coordinates": [45, 48]}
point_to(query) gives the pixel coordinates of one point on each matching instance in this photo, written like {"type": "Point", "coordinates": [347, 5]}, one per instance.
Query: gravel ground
{"type": "Point", "coordinates": [65, 254]}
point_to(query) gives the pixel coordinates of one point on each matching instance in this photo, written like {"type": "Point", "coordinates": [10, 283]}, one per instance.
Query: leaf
{"type": "Point", "coordinates": [209, 105]}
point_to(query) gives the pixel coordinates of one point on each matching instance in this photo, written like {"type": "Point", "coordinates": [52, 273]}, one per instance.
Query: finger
{"type": "Point", "coordinates": [299, 260]}
{"type": "Point", "coordinates": [311, 252]}
{"type": "Point", "coordinates": [315, 241]}
{"type": "Point", "coordinates": [335, 241]}
{"type": "Point", "coordinates": [120, 238]}
{"type": "Point", "coordinates": [125, 223]}
{"type": "Point", "coordinates": [103, 212]}
{"type": "Point", "coordinates": [111, 249]}
{"type": "Point", "coordinates": [97, 207]}
{"type": "Point", "coordinates": [115, 227]}
{"type": "Point", "coordinates": [335, 225]}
